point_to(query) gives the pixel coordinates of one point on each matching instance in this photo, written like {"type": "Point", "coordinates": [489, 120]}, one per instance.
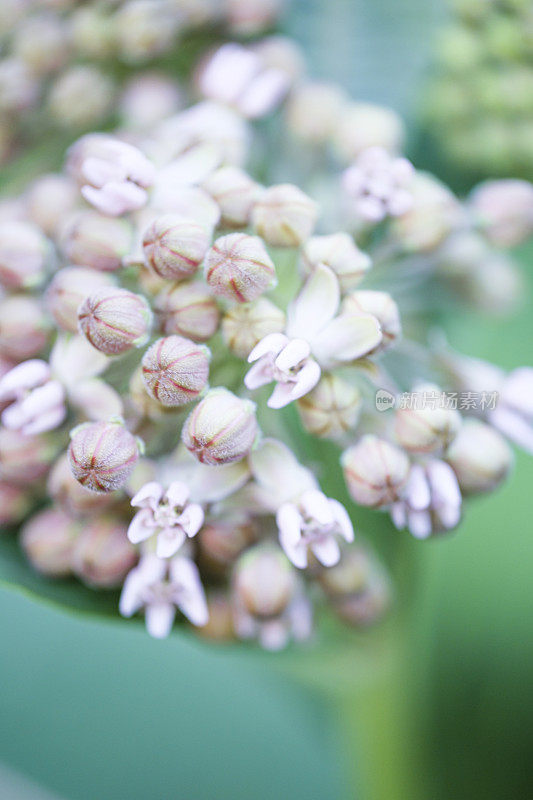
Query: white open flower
{"type": "Point", "coordinates": [315, 339]}
{"type": "Point", "coordinates": [160, 587]}
{"type": "Point", "coordinates": [167, 515]}
{"type": "Point", "coordinates": [313, 523]}
{"type": "Point", "coordinates": [37, 400]}
{"type": "Point", "coordinates": [431, 501]}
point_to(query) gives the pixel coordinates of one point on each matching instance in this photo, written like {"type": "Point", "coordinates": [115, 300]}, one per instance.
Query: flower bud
{"type": "Point", "coordinates": [92, 240]}
{"type": "Point", "coordinates": [235, 193]}
{"type": "Point", "coordinates": [238, 267]}
{"type": "Point", "coordinates": [189, 310]}
{"type": "Point", "coordinates": [115, 320]}
{"type": "Point", "coordinates": [48, 540]}
{"type": "Point", "coordinates": [221, 429]}
{"type": "Point", "coordinates": [70, 495]}
{"type": "Point", "coordinates": [41, 42]}
{"type": "Point", "coordinates": [14, 503]}
{"type": "Point", "coordinates": [243, 326]}
{"type": "Point", "coordinates": [427, 429]}
{"type": "Point", "coordinates": [102, 455]}
{"type": "Point", "coordinates": [148, 99]}
{"type": "Point", "coordinates": [24, 458]}
{"type": "Point", "coordinates": [264, 582]}
{"type": "Point", "coordinates": [24, 253]}
{"type": "Point", "coordinates": [174, 246]}
{"type": "Point", "coordinates": [504, 209]}
{"type": "Point", "coordinates": [479, 456]}
{"type": "Point", "coordinates": [375, 471]}
{"type": "Point", "coordinates": [90, 31]}
{"type": "Point", "coordinates": [382, 307]}
{"type": "Point", "coordinates": [222, 541]}
{"type": "Point", "coordinates": [284, 216]}
{"type": "Point", "coordinates": [49, 200]}
{"type": "Point", "coordinates": [102, 554]}
{"type": "Point", "coordinates": [19, 89]}
{"type": "Point", "coordinates": [80, 97]}
{"type": "Point", "coordinates": [331, 408]}
{"type": "Point", "coordinates": [368, 606]}
{"type": "Point", "coordinates": [362, 125]}
{"type": "Point", "coordinates": [68, 289]}
{"type": "Point", "coordinates": [313, 111]}
{"type": "Point", "coordinates": [433, 215]}
{"type": "Point", "coordinates": [338, 252]}
{"type": "Point", "coordinates": [140, 402]}
{"type": "Point", "coordinates": [175, 370]}
{"type": "Point", "coordinates": [144, 29]}
{"type": "Point", "coordinates": [24, 329]}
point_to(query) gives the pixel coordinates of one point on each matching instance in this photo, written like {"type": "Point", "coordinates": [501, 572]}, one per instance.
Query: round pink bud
{"type": "Point", "coordinates": [103, 555]}
{"type": "Point", "coordinates": [246, 324]}
{"type": "Point", "coordinates": [235, 193]}
{"type": "Point", "coordinates": [102, 455]}
{"type": "Point", "coordinates": [49, 201]}
{"type": "Point", "coordinates": [65, 490]}
{"type": "Point", "coordinates": [188, 309]}
{"type": "Point", "coordinates": [375, 471]}
{"type": "Point", "coordinates": [24, 459]}
{"type": "Point", "coordinates": [174, 246]}
{"type": "Point", "coordinates": [175, 370]}
{"type": "Point", "coordinates": [48, 540]}
{"type": "Point", "coordinates": [264, 582]}
{"type": "Point", "coordinates": [382, 307]}
{"type": "Point", "coordinates": [284, 216]}
{"type": "Point", "coordinates": [24, 328]}
{"type": "Point", "coordinates": [68, 289]}
{"type": "Point", "coordinates": [15, 503]}
{"type": "Point", "coordinates": [115, 320]}
{"type": "Point", "coordinates": [221, 429]}
{"type": "Point", "coordinates": [238, 267]}
{"type": "Point", "coordinates": [92, 240]}
{"type": "Point", "coordinates": [24, 253]}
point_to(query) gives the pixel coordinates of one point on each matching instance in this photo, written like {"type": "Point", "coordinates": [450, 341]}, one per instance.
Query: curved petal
{"type": "Point", "coordinates": [417, 492]}
{"type": "Point", "coordinates": [273, 635]}
{"type": "Point", "coordinates": [315, 504]}
{"type": "Point", "coordinates": [419, 523]}
{"type": "Point", "coordinates": [24, 376]}
{"type": "Point", "coordinates": [190, 597]}
{"type": "Point", "coordinates": [45, 422]}
{"type": "Point", "coordinates": [295, 351]}
{"type": "Point", "coordinates": [177, 494]}
{"type": "Point", "coordinates": [279, 473]}
{"type": "Point", "coordinates": [169, 541]}
{"type": "Point", "coordinates": [192, 519]}
{"type": "Point", "coordinates": [286, 393]}
{"type": "Point", "coordinates": [259, 374]}
{"type": "Point", "coordinates": [289, 523]}
{"type": "Point", "coordinates": [315, 306]}
{"type": "Point", "coordinates": [141, 527]}
{"type": "Point", "coordinates": [327, 551]}
{"type": "Point", "coordinates": [346, 338]}
{"type": "Point", "coordinates": [342, 519]}
{"type": "Point", "coordinates": [159, 619]}
{"type": "Point", "coordinates": [272, 343]}
{"type": "Point", "coordinates": [148, 495]}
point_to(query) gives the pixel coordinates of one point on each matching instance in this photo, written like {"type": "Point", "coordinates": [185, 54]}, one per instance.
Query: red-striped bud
{"type": "Point", "coordinates": [238, 267]}
{"type": "Point", "coordinates": [174, 246]}
{"type": "Point", "coordinates": [102, 455]}
{"type": "Point", "coordinates": [221, 429]}
{"type": "Point", "coordinates": [115, 320]}
{"type": "Point", "coordinates": [175, 370]}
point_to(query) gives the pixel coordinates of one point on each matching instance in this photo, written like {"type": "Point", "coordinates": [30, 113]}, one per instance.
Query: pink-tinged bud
{"type": "Point", "coordinates": [238, 267]}
{"type": "Point", "coordinates": [174, 246]}
{"type": "Point", "coordinates": [24, 328]}
{"type": "Point", "coordinates": [313, 110]}
{"type": "Point", "coordinates": [115, 320]}
{"type": "Point", "coordinates": [504, 209]}
{"type": "Point", "coordinates": [80, 97]}
{"type": "Point", "coordinates": [219, 627]}
{"type": "Point", "coordinates": [375, 471]}
{"type": "Point", "coordinates": [24, 458]}
{"type": "Point", "coordinates": [331, 408]}
{"type": "Point", "coordinates": [433, 215]}
{"type": "Point", "coordinates": [235, 193]}
{"type": "Point", "coordinates": [382, 307]}
{"type": "Point", "coordinates": [49, 200]}
{"type": "Point", "coordinates": [102, 555]}
{"type": "Point", "coordinates": [175, 370]}
{"type": "Point", "coordinates": [24, 255]}
{"type": "Point", "coordinates": [102, 455]}
{"type": "Point", "coordinates": [264, 582]}
{"type": "Point", "coordinates": [14, 503]}
{"type": "Point", "coordinates": [221, 542]}
{"type": "Point", "coordinates": [338, 252]}
{"type": "Point", "coordinates": [245, 325]}
{"type": "Point", "coordinates": [48, 540]}
{"type": "Point", "coordinates": [284, 216]}
{"type": "Point", "coordinates": [188, 309]}
{"type": "Point", "coordinates": [221, 429]}
{"type": "Point", "coordinates": [68, 289]}
{"type": "Point", "coordinates": [480, 457]}
{"type": "Point", "coordinates": [68, 493]}
{"type": "Point", "coordinates": [92, 240]}
{"type": "Point", "coordinates": [362, 125]}
{"type": "Point", "coordinates": [428, 429]}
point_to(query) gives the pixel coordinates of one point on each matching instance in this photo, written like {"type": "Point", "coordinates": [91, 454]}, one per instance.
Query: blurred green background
{"type": "Point", "coordinates": [436, 704]}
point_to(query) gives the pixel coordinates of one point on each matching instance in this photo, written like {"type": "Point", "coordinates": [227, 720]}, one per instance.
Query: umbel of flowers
{"type": "Point", "coordinates": [161, 312]}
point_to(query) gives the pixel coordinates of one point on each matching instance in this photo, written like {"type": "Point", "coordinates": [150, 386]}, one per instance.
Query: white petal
{"type": "Point", "coordinates": [399, 515]}
{"type": "Point", "coordinates": [517, 429]}
{"type": "Point", "coordinates": [449, 516]}
{"type": "Point", "coordinates": [159, 619]}
{"type": "Point", "coordinates": [342, 519]}
{"type": "Point", "coordinates": [279, 473]}
{"type": "Point", "coordinates": [148, 495]}
{"type": "Point", "coordinates": [192, 519]}
{"type": "Point", "coordinates": [315, 504]}
{"type": "Point", "coordinates": [24, 376]}
{"type": "Point", "coordinates": [286, 393]}
{"type": "Point", "coordinates": [292, 354]}
{"type": "Point", "coordinates": [327, 551]}
{"type": "Point", "coordinates": [417, 492]}
{"type": "Point", "coordinates": [96, 399]}
{"type": "Point", "coordinates": [177, 494]}
{"type": "Point", "coordinates": [141, 527]}
{"type": "Point", "coordinates": [265, 92]}
{"type": "Point", "coordinates": [445, 489]}
{"type": "Point", "coordinates": [45, 422]}
{"type": "Point", "coordinates": [419, 523]}
{"type": "Point", "coordinates": [273, 343]}
{"type": "Point", "coordinates": [169, 541]}
{"type": "Point", "coordinates": [300, 613]}
{"type": "Point", "coordinates": [315, 306]}
{"type": "Point", "coordinates": [259, 374]}
{"type": "Point", "coordinates": [289, 523]}
{"type": "Point", "coordinates": [131, 597]}
{"type": "Point", "coordinates": [347, 338]}
{"type": "Point", "coordinates": [190, 595]}
{"type": "Point", "coordinates": [207, 484]}
{"type": "Point", "coordinates": [73, 359]}
{"type": "Point", "coordinates": [273, 635]}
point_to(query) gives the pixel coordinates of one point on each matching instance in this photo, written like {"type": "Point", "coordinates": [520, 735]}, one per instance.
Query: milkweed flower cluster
{"type": "Point", "coordinates": [174, 335]}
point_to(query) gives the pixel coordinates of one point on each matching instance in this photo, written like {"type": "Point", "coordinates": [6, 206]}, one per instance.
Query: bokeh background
{"type": "Point", "coordinates": [436, 704]}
